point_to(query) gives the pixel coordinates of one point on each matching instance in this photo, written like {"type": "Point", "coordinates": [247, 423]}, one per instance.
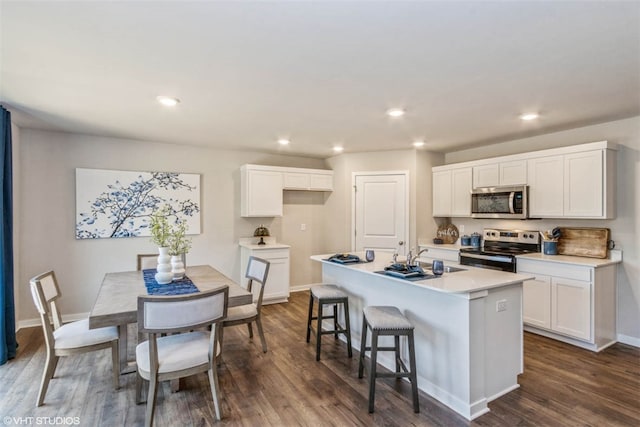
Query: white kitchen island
{"type": "Point", "coordinates": [468, 327]}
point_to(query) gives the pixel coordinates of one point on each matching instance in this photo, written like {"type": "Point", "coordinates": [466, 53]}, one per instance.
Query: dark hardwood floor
{"type": "Point", "coordinates": [562, 386]}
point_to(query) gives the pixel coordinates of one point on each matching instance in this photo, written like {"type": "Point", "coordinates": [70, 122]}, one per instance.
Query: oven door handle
{"type": "Point", "coordinates": [488, 257]}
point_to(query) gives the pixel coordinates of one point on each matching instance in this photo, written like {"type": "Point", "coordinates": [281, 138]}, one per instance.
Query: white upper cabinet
{"type": "Point", "coordinates": [486, 176]}
{"type": "Point", "coordinates": [568, 182]}
{"type": "Point", "coordinates": [573, 185]}
{"type": "Point", "coordinates": [262, 186]}
{"type": "Point", "coordinates": [500, 174]}
{"type": "Point", "coordinates": [513, 173]}
{"type": "Point", "coordinates": [583, 176]}
{"type": "Point", "coordinates": [452, 192]}
{"type": "Point", "coordinates": [261, 192]}
{"type": "Point", "coordinates": [310, 181]}
{"type": "Point", "coordinates": [546, 188]}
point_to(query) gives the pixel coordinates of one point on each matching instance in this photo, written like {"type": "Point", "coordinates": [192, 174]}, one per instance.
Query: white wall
{"type": "Point", "coordinates": [46, 202]}
{"type": "Point", "coordinates": [625, 228]}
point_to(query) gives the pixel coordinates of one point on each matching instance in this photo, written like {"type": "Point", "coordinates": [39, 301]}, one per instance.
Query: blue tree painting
{"type": "Point", "coordinates": [120, 203]}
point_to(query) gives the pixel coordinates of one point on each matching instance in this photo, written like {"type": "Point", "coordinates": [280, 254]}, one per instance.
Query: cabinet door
{"type": "Point", "coordinates": [295, 181]}
{"type": "Point", "coordinates": [513, 173]}
{"type": "Point", "coordinates": [263, 193]}
{"type": "Point", "coordinates": [583, 176]}
{"type": "Point", "coordinates": [277, 287]}
{"type": "Point", "coordinates": [321, 182]}
{"type": "Point", "coordinates": [571, 307]}
{"type": "Point", "coordinates": [442, 193]}
{"type": "Point", "coordinates": [536, 297]}
{"type": "Point", "coordinates": [486, 176]}
{"type": "Point", "coordinates": [546, 187]}
{"type": "Point", "coordinates": [461, 192]}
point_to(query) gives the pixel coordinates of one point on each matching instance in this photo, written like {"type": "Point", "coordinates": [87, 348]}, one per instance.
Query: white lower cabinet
{"type": "Point", "coordinates": [277, 286]}
{"type": "Point", "coordinates": [536, 294]}
{"type": "Point", "coordinates": [571, 307]}
{"type": "Point", "coordinates": [569, 302]}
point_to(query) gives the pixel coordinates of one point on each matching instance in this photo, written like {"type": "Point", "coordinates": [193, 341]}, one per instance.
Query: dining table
{"type": "Point", "coordinates": [117, 300]}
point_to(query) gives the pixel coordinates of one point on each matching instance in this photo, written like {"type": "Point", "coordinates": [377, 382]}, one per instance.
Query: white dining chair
{"type": "Point", "coordinates": [186, 349]}
{"type": "Point", "coordinates": [70, 338]}
{"type": "Point", "coordinates": [257, 271]}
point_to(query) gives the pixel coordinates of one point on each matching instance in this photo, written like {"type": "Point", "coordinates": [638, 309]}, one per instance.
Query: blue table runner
{"type": "Point", "coordinates": [177, 287]}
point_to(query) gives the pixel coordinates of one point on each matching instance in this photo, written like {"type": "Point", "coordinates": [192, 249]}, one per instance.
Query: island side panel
{"type": "Point", "coordinates": [443, 326]}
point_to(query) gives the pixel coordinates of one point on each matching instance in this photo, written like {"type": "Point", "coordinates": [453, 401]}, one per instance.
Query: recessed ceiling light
{"type": "Point", "coordinates": [283, 141]}
{"type": "Point", "coordinates": [418, 144]}
{"type": "Point", "coordinates": [338, 149]}
{"type": "Point", "coordinates": [395, 112]}
{"type": "Point", "coordinates": [168, 101]}
{"type": "Point", "coordinates": [529, 116]}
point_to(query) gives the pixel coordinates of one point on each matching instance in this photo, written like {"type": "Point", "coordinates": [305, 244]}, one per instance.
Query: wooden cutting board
{"type": "Point", "coordinates": [586, 242]}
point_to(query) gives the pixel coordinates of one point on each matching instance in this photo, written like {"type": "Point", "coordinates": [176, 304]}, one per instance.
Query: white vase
{"type": "Point", "coordinates": [164, 274]}
{"type": "Point", "coordinates": [177, 267]}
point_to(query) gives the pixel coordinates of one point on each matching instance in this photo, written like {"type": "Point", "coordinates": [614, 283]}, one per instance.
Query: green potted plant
{"type": "Point", "coordinates": [179, 245]}
{"type": "Point", "coordinates": [160, 235]}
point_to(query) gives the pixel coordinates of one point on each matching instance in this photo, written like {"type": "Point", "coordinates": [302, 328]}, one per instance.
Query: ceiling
{"type": "Point", "coordinates": [319, 73]}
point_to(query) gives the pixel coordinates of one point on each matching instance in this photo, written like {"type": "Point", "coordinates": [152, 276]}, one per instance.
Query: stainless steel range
{"type": "Point", "coordinates": [500, 249]}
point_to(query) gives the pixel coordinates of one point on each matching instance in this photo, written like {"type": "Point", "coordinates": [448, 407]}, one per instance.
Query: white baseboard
{"type": "Point", "coordinates": [625, 339]}
{"type": "Point", "coordinates": [299, 288]}
{"type": "Point", "coordinates": [30, 323]}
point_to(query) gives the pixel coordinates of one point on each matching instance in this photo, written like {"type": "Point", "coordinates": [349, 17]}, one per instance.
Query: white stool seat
{"type": "Point", "coordinates": [384, 317]}
{"type": "Point", "coordinates": [327, 292]}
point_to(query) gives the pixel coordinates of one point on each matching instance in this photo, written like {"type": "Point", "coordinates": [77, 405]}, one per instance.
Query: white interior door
{"type": "Point", "coordinates": [381, 211]}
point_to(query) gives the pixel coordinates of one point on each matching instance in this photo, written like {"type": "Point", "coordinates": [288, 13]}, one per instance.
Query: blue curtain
{"type": "Point", "coordinates": [7, 310]}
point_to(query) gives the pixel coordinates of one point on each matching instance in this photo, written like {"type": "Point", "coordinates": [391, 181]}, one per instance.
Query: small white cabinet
{"type": "Point", "coordinates": [277, 286]}
{"type": "Point", "coordinates": [500, 174]}
{"type": "Point", "coordinates": [261, 187]}
{"type": "Point", "coordinates": [309, 181]}
{"type": "Point", "coordinates": [261, 192]}
{"type": "Point", "coordinates": [452, 192]}
{"type": "Point", "coordinates": [569, 302]}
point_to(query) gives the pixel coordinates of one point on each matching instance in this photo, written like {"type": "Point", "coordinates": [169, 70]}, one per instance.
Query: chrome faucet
{"type": "Point", "coordinates": [413, 260]}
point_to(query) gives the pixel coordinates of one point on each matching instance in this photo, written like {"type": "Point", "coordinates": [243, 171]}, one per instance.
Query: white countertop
{"type": "Point", "coordinates": [270, 243]}
{"type": "Point", "coordinates": [615, 258]}
{"type": "Point", "coordinates": [468, 281]}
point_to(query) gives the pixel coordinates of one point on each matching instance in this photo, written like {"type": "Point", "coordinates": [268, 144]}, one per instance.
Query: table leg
{"type": "Point", "coordinates": [126, 367]}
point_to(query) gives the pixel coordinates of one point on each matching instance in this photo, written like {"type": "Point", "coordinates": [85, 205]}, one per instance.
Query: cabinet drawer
{"type": "Point", "coordinates": [269, 254]}
{"type": "Point", "coordinates": [569, 271]}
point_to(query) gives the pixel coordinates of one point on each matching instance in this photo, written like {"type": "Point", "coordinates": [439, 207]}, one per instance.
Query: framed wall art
{"type": "Point", "coordinates": [112, 203]}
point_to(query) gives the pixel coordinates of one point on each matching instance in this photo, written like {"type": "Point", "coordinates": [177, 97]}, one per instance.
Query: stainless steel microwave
{"type": "Point", "coordinates": [500, 202]}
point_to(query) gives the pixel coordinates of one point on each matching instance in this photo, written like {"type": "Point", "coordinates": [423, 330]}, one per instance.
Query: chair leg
{"type": "Point", "coordinates": [250, 330]}
{"type": "Point", "coordinates": [373, 370]}
{"type": "Point", "coordinates": [347, 327]}
{"type": "Point", "coordinates": [363, 348]}
{"type": "Point", "coordinates": [309, 316]}
{"type": "Point", "coordinates": [115, 363]}
{"type": "Point", "coordinates": [414, 376]}
{"type": "Point", "coordinates": [139, 397]}
{"type": "Point", "coordinates": [335, 320]}
{"type": "Point", "coordinates": [151, 400]}
{"type": "Point", "coordinates": [319, 329]}
{"type": "Point", "coordinates": [213, 382]}
{"type": "Point", "coordinates": [49, 369]}
{"type": "Point", "coordinates": [261, 333]}
{"type": "Point", "coordinates": [220, 335]}
{"type": "Point", "coordinates": [396, 340]}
